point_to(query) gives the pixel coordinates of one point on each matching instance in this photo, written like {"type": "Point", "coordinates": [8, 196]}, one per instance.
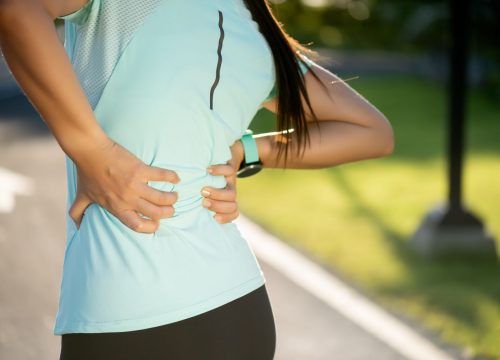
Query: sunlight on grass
{"type": "Point", "coordinates": [357, 218]}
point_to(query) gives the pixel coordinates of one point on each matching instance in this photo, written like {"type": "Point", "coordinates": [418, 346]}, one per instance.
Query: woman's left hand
{"type": "Point", "coordinates": [223, 201]}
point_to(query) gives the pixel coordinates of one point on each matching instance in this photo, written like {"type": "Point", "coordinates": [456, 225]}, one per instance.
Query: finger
{"type": "Point", "coordinates": [222, 169]}
{"type": "Point", "coordinates": [154, 212]}
{"type": "Point", "coordinates": [221, 207]}
{"type": "Point", "coordinates": [224, 194]}
{"type": "Point", "coordinates": [231, 183]}
{"type": "Point", "coordinates": [78, 207]}
{"type": "Point", "coordinates": [153, 173]}
{"type": "Point", "coordinates": [158, 197]}
{"type": "Point", "coordinates": [226, 218]}
{"type": "Point", "coordinates": [135, 222]}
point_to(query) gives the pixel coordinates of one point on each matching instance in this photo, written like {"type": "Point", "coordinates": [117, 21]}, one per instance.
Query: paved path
{"type": "Point", "coordinates": [32, 196]}
{"type": "Point", "coordinates": [31, 235]}
{"type": "Point", "coordinates": [308, 329]}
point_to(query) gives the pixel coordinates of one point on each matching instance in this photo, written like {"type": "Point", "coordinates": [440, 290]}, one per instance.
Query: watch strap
{"type": "Point", "coordinates": [250, 147]}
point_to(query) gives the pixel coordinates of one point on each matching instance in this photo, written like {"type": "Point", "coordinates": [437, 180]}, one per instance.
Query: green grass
{"type": "Point", "coordinates": [357, 217]}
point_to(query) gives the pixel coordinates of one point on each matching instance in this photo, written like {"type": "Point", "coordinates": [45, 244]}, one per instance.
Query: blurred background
{"type": "Point", "coordinates": [358, 220]}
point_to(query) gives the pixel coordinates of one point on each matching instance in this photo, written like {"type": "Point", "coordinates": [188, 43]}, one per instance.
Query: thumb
{"type": "Point", "coordinates": [78, 207]}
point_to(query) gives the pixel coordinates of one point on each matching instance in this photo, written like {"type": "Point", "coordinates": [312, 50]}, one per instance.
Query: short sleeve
{"type": "Point", "coordinates": [303, 69]}
{"type": "Point", "coordinates": [81, 15]}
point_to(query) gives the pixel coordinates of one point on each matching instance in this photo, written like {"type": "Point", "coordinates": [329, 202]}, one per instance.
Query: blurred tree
{"type": "Point", "coordinates": [408, 26]}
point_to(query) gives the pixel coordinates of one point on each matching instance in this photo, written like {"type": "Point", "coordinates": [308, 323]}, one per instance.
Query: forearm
{"type": "Point", "coordinates": [333, 143]}
{"type": "Point", "coordinates": [39, 63]}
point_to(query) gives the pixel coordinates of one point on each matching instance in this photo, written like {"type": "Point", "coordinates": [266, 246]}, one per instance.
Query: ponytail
{"type": "Point", "coordinates": [290, 84]}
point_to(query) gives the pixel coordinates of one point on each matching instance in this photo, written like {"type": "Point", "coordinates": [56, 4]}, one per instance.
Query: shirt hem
{"type": "Point", "coordinates": [158, 320]}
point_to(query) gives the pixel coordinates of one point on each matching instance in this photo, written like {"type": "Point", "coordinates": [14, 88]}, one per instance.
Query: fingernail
{"type": "Point", "coordinates": [206, 203]}
{"type": "Point", "coordinates": [218, 218]}
{"type": "Point", "coordinates": [210, 170]}
{"type": "Point", "coordinates": [205, 192]}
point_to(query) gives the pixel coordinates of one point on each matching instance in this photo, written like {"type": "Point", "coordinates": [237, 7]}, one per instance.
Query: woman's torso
{"type": "Point", "coordinates": [156, 87]}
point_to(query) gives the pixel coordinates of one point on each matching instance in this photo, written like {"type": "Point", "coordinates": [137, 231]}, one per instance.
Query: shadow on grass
{"type": "Point", "coordinates": [453, 286]}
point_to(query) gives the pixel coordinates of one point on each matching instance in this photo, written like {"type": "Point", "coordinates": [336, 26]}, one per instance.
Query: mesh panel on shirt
{"type": "Point", "coordinates": [101, 40]}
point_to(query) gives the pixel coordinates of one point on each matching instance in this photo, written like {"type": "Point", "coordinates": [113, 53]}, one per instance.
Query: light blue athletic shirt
{"type": "Point", "coordinates": [152, 72]}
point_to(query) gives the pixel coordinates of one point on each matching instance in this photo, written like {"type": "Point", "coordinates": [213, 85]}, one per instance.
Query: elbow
{"type": "Point", "coordinates": [389, 141]}
{"type": "Point", "coordinates": [385, 139]}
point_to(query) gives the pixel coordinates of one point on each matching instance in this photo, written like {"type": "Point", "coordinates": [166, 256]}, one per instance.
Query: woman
{"type": "Point", "coordinates": [147, 96]}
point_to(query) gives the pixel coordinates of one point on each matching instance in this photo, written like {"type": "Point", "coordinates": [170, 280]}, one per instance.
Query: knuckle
{"type": "Point", "coordinates": [139, 168]}
{"type": "Point", "coordinates": [128, 183]}
{"type": "Point", "coordinates": [137, 178]}
{"type": "Point", "coordinates": [136, 173]}
{"type": "Point", "coordinates": [110, 171]}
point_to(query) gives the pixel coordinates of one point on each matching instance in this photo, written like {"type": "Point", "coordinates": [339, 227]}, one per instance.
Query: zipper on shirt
{"type": "Point", "coordinates": [219, 61]}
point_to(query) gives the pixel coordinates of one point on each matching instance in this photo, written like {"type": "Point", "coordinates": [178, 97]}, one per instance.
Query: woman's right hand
{"type": "Point", "coordinates": [108, 174]}
{"type": "Point", "coordinates": [117, 180]}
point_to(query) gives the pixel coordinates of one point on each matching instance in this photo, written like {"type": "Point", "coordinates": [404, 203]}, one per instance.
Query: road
{"type": "Point", "coordinates": [32, 236]}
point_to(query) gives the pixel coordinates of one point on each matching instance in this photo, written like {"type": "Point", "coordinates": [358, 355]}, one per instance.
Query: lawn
{"type": "Point", "coordinates": [357, 218]}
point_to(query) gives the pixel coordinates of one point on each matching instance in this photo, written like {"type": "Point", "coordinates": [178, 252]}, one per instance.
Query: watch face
{"type": "Point", "coordinates": [249, 170]}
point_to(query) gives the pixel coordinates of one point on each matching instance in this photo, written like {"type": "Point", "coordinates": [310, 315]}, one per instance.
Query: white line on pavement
{"type": "Point", "coordinates": [12, 184]}
{"type": "Point", "coordinates": [338, 295]}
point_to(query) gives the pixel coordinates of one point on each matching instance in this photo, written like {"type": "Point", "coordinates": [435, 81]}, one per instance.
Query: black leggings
{"type": "Point", "coordinates": [241, 329]}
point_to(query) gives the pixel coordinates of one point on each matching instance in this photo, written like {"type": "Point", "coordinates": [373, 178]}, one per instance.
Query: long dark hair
{"type": "Point", "coordinates": [290, 83]}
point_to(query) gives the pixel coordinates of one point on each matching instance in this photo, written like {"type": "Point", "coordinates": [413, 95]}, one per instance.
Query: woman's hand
{"type": "Point", "coordinates": [108, 174]}
{"type": "Point", "coordinates": [223, 201]}
{"type": "Point", "coordinates": [114, 178]}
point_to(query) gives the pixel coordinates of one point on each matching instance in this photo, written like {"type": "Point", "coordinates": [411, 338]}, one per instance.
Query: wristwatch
{"type": "Point", "coordinates": [251, 164]}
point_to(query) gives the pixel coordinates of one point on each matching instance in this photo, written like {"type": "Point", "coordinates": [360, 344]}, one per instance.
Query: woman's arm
{"type": "Point", "coordinates": [108, 174]}
{"type": "Point", "coordinates": [351, 128]}
{"type": "Point", "coordinates": [40, 65]}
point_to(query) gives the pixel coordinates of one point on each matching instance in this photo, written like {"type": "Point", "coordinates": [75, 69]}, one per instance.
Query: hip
{"type": "Point", "coordinates": [243, 328]}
